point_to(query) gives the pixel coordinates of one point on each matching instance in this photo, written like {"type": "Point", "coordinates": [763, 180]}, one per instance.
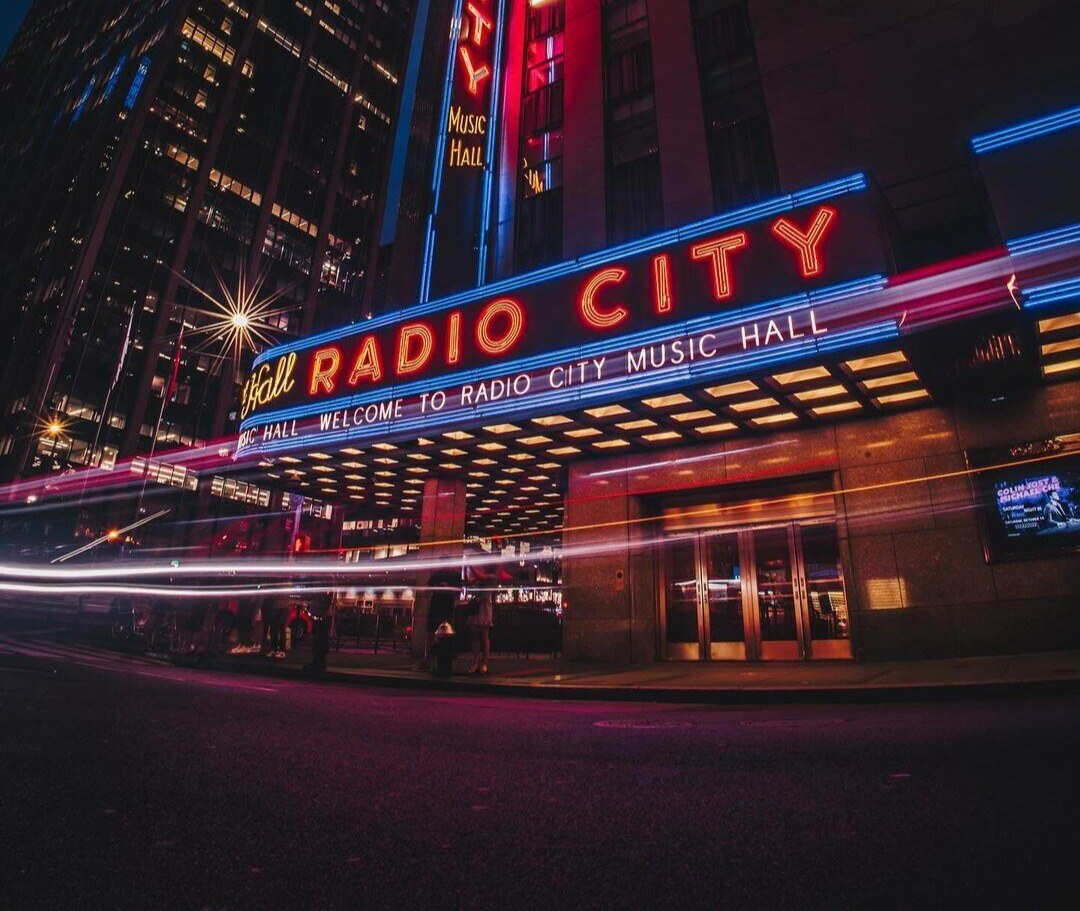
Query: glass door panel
{"type": "Point", "coordinates": [723, 568]}
{"type": "Point", "coordinates": [682, 627]}
{"type": "Point", "coordinates": [776, 593]}
{"type": "Point", "coordinates": [828, 623]}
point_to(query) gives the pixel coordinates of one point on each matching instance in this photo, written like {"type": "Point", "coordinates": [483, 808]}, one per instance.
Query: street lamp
{"type": "Point", "coordinates": [54, 429]}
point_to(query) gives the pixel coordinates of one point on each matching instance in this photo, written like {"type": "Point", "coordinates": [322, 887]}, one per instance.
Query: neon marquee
{"type": "Point", "coordinates": [773, 281]}
{"type": "Point", "coordinates": [685, 280]}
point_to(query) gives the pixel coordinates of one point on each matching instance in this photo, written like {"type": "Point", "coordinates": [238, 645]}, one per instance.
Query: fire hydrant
{"type": "Point", "coordinates": [443, 650]}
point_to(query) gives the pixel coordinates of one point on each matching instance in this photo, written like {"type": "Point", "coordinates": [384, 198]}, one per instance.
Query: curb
{"type": "Point", "coordinates": [945, 692]}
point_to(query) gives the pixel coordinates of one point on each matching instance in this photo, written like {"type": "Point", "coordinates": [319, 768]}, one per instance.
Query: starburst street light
{"type": "Point", "coordinates": [243, 318]}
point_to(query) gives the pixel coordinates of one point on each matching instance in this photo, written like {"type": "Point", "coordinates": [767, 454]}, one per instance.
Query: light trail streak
{"type": "Point", "coordinates": [667, 463]}
{"type": "Point", "coordinates": [111, 536]}
{"type": "Point", "coordinates": [74, 578]}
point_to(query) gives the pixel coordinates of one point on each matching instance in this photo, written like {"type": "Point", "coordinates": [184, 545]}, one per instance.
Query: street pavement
{"type": "Point", "coordinates": [134, 783]}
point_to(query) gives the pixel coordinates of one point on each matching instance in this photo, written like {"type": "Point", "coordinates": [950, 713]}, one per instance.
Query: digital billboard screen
{"type": "Point", "coordinates": [1032, 510]}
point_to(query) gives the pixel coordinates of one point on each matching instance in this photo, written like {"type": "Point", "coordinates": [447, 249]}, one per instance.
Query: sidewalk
{"type": "Point", "coordinates": [721, 683]}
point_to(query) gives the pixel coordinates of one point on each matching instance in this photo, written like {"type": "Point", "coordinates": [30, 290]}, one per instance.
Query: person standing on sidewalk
{"type": "Point", "coordinates": [322, 607]}
{"type": "Point", "coordinates": [278, 616]}
{"type": "Point", "coordinates": [481, 616]}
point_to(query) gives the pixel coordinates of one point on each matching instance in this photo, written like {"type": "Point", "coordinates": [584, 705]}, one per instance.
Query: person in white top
{"type": "Point", "coordinates": [481, 616]}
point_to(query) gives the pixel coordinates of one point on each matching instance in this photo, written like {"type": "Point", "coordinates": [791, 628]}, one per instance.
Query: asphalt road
{"type": "Point", "coordinates": [132, 784]}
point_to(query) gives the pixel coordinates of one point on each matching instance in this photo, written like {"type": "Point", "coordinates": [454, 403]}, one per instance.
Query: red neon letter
{"type": "Point", "coordinates": [453, 339]}
{"type": "Point", "coordinates": [661, 266]}
{"type": "Point", "coordinates": [506, 307]}
{"type": "Point", "coordinates": [368, 363]}
{"type": "Point", "coordinates": [717, 251]}
{"type": "Point", "coordinates": [476, 75]}
{"type": "Point", "coordinates": [594, 316]}
{"type": "Point", "coordinates": [407, 360]}
{"type": "Point", "coordinates": [324, 367]}
{"type": "Point", "coordinates": [480, 22]}
{"type": "Point", "coordinates": [807, 244]}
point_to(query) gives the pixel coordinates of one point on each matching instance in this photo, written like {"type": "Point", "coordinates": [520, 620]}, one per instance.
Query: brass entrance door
{"type": "Point", "coordinates": [767, 593]}
{"type": "Point", "coordinates": [704, 603]}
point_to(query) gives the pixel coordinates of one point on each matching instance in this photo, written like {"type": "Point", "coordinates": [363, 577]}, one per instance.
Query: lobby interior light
{"type": "Point", "coordinates": [607, 411]}
{"type": "Point", "coordinates": [896, 379]}
{"type": "Point", "coordinates": [1060, 347]}
{"type": "Point", "coordinates": [863, 364]}
{"type": "Point", "coordinates": [837, 408]}
{"type": "Point", "coordinates": [666, 401]}
{"type": "Point", "coordinates": [687, 416]}
{"type": "Point", "coordinates": [825, 392]}
{"type": "Point", "coordinates": [732, 389]}
{"type": "Point", "coordinates": [753, 405]}
{"type": "Point", "coordinates": [898, 398]}
{"type": "Point", "coordinates": [780, 418]}
{"type": "Point", "coordinates": [795, 377]}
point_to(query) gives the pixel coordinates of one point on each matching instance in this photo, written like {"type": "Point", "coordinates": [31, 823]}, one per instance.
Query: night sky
{"type": "Point", "coordinates": [11, 15]}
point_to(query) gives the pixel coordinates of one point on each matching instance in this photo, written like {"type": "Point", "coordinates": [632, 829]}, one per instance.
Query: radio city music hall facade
{"type": "Point", "coordinates": [758, 424]}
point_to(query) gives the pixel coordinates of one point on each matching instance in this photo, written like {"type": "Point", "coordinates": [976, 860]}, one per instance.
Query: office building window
{"type": "Point", "coordinates": [736, 120]}
{"type": "Point", "coordinates": [538, 234]}
{"type": "Point", "coordinates": [634, 191]}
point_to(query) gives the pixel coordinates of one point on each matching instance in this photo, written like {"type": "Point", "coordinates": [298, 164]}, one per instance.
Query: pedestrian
{"type": "Point", "coordinates": [481, 617]}
{"type": "Point", "coordinates": [258, 635]}
{"type": "Point", "coordinates": [191, 621]}
{"type": "Point", "coordinates": [249, 628]}
{"type": "Point", "coordinates": [162, 621]}
{"type": "Point", "coordinates": [275, 617]}
{"type": "Point", "coordinates": [321, 609]}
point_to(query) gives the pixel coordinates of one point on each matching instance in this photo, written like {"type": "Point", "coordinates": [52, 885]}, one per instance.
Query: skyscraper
{"type": "Point", "coordinates": [175, 174]}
